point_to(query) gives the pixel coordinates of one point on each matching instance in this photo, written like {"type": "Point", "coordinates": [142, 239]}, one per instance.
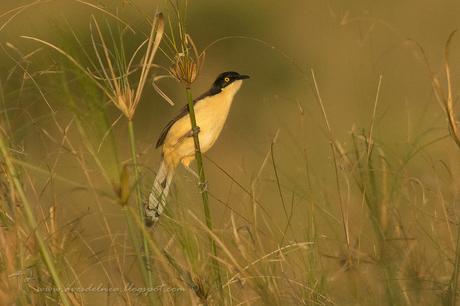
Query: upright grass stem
{"type": "Point", "coordinates": [142, 247]}
{"type": "Point", "coordinates": [203, 187]}
{"type": "Point", "coordinates": [28, 211]}
{"type": "Point", "coordinates": [448, 102]}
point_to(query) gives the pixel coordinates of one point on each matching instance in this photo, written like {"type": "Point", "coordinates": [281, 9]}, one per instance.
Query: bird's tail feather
{"type": "Point", "coordinates": [158, 194]}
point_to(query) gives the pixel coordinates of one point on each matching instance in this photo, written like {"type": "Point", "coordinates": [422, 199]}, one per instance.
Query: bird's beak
{"type": "Point", "coordinates": [243, 77]}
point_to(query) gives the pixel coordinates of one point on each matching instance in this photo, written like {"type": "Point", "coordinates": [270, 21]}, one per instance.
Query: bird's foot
{"type": "Point", "coordinates": [195, 130]}
{"type": "Point", "coordinates": [203, 186]}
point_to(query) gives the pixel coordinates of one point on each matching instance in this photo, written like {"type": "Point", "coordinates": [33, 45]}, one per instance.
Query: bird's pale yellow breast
{"type": "Point", "coordinates": [212, 113]}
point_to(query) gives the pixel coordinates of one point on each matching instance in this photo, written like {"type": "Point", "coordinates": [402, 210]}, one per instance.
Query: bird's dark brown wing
{"type": "Point", "coordinates": [183, 112]}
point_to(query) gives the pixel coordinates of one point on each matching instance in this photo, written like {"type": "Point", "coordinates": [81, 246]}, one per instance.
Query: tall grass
{"type": "Point", "coordinates": [186, 64]}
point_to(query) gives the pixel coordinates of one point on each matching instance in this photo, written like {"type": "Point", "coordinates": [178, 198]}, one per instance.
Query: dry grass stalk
{"type": "Point", "coordinates": [117, 86]}
{"type": "Point", "coordinates": [446, 101]}
{"type": "Point", "coordinates": [187, 65]}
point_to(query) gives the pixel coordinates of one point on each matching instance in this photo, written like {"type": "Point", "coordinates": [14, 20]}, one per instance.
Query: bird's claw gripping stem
{"type": "Point", "coordinates": [203, 186]}
{"type": "Point", "coordinates": [196, 130]}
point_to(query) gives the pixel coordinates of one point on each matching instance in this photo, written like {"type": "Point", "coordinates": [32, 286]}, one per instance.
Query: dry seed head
{"type": "Point", "coordinates": [184, 69]}
{"type": "Point", "coordinates": [201, 289]}
{"type": "Point", "coordinates": [123, 102]}
{"type": "Point", "coordinates": [187, 65]}
{"type": "Point", "coordinates": [123, 189]}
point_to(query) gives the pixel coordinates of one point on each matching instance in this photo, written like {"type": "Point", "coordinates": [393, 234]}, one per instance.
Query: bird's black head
{"type": "Point", "coordinates": [226, 78]}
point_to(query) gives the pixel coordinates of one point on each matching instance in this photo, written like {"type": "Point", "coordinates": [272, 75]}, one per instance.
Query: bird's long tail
{"type": "Point", "coordinates": [158, 194]}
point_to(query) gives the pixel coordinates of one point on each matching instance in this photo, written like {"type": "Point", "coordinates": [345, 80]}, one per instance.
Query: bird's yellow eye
{"type": "Point", "coordinates": [227, 79]}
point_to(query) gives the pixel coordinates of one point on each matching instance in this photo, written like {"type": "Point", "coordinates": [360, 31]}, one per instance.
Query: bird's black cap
{"type": "Point", "coordinates": [226, 78]}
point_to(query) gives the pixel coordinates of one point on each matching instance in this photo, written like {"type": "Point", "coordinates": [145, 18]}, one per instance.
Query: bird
{"type": "Point", "coordinates": [176, 139]}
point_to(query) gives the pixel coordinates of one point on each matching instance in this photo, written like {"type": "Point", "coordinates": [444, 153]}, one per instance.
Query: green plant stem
{"type": "Point", "coordinates": [203, 188]}
{"type": "Point", "coordinates": [45, 252]}
{"type": "Point", "coordinates": [142, 251]}
{"type": "Point", "coordinates": [451, 294]}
